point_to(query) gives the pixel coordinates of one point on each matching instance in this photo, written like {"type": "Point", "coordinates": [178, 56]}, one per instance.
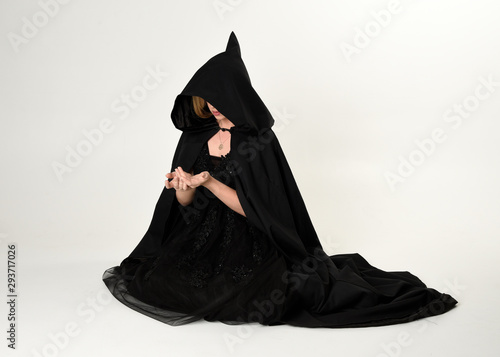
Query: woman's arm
{"type": "Point", "coordinates": [185, 197]}
{"type": "Point", "coordinates": [223, 192]}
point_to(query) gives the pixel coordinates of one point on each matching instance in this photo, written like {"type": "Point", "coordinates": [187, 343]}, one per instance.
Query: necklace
{"type": "Point", "coordinates": [221, 146]}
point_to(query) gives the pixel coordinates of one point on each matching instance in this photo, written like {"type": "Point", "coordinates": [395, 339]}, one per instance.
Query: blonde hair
{"type": "Point", "coordinates": [201, 108]}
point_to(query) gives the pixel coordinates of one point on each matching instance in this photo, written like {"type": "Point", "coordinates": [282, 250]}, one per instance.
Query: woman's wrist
{"type": "Point", "coordinates": [185, 197]}
{"type": "Point", "coordinates": [209, 182]}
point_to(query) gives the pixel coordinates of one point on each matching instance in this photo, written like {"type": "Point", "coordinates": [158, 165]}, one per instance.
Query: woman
{"type": "Point", "coordinates": [185, 184]}
{"type": "Point", "coordinates": [231, 239]}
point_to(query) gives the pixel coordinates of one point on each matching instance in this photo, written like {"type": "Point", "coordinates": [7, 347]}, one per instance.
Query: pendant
{"type": "Point", "coordinates": [221, 146]}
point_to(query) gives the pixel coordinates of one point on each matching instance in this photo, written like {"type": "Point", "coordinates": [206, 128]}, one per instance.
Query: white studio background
{"type": "Point", "coordinates": [387, 112]}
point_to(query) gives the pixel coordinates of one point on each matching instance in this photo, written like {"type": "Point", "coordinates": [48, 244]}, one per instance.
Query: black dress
{"type": "Point", "coordinates": [217, 266]}
{"type": "Point", "coordinates": [214, 264]}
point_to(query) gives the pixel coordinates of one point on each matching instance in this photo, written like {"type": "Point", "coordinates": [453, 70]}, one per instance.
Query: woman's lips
{"type": "Point", "coordinates": [215, 113]}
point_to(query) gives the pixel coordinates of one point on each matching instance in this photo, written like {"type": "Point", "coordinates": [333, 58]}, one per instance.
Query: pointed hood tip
{"type": "Point", "coordinates": [233, 46]}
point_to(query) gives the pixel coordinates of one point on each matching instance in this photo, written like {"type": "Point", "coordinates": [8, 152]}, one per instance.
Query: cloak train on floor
{"type": "Point", "coordinates": [205, 261]}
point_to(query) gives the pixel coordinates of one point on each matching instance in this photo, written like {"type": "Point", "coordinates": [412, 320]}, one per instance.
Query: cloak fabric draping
{"type": "Point", "coordinates": [205, 261]}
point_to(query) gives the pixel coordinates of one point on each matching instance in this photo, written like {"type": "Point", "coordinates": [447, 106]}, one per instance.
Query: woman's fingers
{"type": "Point", "coordinates": [180, 172]}
{"type": "Point", "coordinates": [174, 183]}
{"type": "Point", "coordinates": [185, 179]}
{"type": "Point", "coordinates": [181, 180]}
{"type": "Point", "coordinates": [183, 174]}
{"type": "Point", "coordinates": [168, 183]}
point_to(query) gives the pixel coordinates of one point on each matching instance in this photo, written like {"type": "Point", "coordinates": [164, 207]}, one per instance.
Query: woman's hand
{"type": "Point", "coordinates": [185, 184]}
{"type": "Point", "coordinates": [191, 181]}
{"type": "Point", "coordinates": [183, 191]}
{"type": "Point", "coordinates": [175, 183]}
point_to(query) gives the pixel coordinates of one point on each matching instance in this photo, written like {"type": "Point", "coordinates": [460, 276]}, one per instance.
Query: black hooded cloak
{"type": "Point", "coordinates": [304, 286]}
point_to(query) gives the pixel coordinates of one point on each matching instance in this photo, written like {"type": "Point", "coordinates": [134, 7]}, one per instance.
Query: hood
{"type": "Point", "coordinates": [224, 82]}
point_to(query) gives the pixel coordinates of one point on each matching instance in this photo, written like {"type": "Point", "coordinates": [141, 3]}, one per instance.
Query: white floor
{"type": "Point", "coordinates": [64, 309]}
{"type": "Point", "coordinates": [344, 123]}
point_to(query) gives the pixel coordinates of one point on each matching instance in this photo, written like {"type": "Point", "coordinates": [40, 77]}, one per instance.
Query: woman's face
{"type": "Point", "coordinates": [215, 112]}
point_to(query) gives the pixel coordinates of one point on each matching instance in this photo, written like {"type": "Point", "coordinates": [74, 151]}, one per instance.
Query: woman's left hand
{"type": "Point", "coordinates": [192, 180]}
